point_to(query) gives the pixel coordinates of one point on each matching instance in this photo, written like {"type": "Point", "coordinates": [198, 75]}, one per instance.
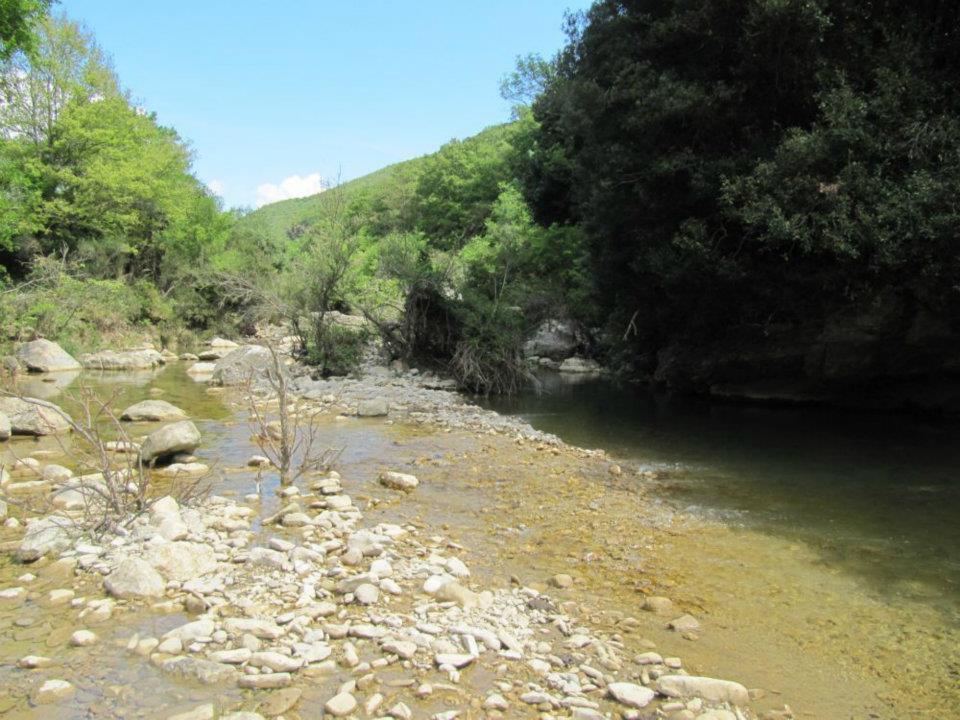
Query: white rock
{"type": "Point", "coordinates": [631, 695]}
{"type": "Point", "coordinates": [457, 660]}
{"type": "Point", "coordinates": [398, 481]}
{"type": "Point", "coordinates": [495, 701]}
{"type": "Point", "coordinates": [134, 577]}
{"type": "Point", "coordinates": [366, 594]}
{"type": "Point", "coordinates": [153, 411]}
{"type": "Point", "coordinates": [341, 705]}
{"type": "Point", "coordinates": [83, 638]}
{"type": "Point", "coordinates": [275, 661]}
{"type": "Point", "coordinates": [53, 691]}
{"type": "Point", "coordinates": [182, 561]}
{"type": "Point", "coordinates": [708, 689]}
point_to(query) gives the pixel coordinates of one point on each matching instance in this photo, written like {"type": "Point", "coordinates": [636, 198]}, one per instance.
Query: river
{"type": "Point", "coordinates": [877, 495]}
{"type": "Point", "coordinates": [825, 568]}
{"type": "Point", "coordinates": [860, 512]}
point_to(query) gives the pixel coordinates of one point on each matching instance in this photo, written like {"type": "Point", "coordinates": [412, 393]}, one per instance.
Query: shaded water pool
{"type": "Point", "coordinates": [876, 495]}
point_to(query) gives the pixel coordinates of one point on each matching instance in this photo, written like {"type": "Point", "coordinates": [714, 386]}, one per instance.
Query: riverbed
{"type": "Point", "coordinates": [777, 614]}
{"type": "Point", "coordinates": [821, 534]}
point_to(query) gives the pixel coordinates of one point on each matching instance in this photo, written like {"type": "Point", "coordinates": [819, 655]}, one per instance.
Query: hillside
{"type": "Point", "coordinates": [386, 193]}
{"type": "Point", "coordinates": [276, 219]}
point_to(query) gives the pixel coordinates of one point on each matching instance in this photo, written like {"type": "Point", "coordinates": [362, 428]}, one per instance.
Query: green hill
{"type": "Point", "coordinates": [392, 196]}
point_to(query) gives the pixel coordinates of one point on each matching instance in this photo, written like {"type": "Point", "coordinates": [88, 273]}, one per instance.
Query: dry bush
{"type": "Point", "coordinates": [112, 486]}
{"type": "Point", "coordinates": [289, 441]}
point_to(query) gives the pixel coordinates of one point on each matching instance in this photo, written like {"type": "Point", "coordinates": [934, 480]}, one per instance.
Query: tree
{"type": "Point", "coordinates": [119, 191]}
{"type": "Point", "coordinates": [35, 88]}
{"type": "Point", "coordinates": [528, 80]}
{"type": "Point", "coordinates": [737, 161]}
{"type": "Point", "coordinates": [18, 20]}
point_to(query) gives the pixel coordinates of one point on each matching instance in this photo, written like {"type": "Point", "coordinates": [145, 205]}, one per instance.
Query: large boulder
{"type": "Point", "coordinates": [555, 339]}
{"type": "Point", "coordinates": [32, 416]}
{"type": "Point", "coordinates": [153, 411]}
{"type": "Point", "coordinates": [182, 561]}
{"type": "Point", "coordinates": [51, 534]}
{"type": "Point", "coordinates": [45, 356]}
{"type": "Point", "coordinates": [134, 577]}
{"type": "Point", "coordinates": [5, 429]}
{"type": "Point", "coordinates": [250, 362]}
{"type": "Point", "coordinates": [178, 437]}
{"type": "Point", "coordinates": [123, 360]}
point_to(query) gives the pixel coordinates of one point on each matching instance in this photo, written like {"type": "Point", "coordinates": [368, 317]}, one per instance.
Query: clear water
{"type": "Point", "coordinates": [876, 495]}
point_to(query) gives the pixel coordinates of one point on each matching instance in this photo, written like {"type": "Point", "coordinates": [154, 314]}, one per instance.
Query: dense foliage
{"type": "Point", "coordinates": [94, 181]}
{"type": "Point", "coordinates": [755, 161]}
{"type": "Point", "coordinates": [18, 19]}
{"type": "Point", "coordinates": [439, 253]}
{"type": "Point", "coordinates": [681, 172]}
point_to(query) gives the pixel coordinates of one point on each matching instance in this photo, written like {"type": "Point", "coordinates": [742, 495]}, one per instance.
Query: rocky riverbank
{"type": "Point", "coordinates": [315, 606]}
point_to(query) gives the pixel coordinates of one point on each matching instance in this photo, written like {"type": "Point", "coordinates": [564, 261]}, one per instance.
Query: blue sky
{"type": "Point", "coordinates": [273, 94]}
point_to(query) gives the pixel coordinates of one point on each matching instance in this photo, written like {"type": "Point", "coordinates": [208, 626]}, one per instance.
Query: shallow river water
{"type": "Point", "coordinates": [842, 528]}
{"type": "Point", "coordinates": [876, 495]}
{"type": "Point", "coordinates": [821, 553]}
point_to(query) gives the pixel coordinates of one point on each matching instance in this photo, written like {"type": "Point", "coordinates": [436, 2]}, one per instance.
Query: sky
{"type": "Point", "coordinates": [278, 98]}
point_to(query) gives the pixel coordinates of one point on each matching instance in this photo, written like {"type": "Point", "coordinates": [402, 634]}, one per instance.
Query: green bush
{"type": "Point", "coordinates": [336, 349]}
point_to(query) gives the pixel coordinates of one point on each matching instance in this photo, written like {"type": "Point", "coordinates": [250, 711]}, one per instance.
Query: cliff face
{"type": "Point", "coordinates": [888, 355]}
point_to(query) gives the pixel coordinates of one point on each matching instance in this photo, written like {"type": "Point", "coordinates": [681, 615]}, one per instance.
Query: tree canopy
{"type": "Point", "coordinates": [742, 161]}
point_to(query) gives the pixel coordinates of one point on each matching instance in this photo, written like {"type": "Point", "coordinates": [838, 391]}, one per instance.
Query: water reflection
{"type": "Point", "coordinates": [876, 494]}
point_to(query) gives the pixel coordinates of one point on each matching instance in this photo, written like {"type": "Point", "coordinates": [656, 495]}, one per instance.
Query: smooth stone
{"type": "Point", "coordinates": [684, 623]}
{"type": "Point", "coordinates": [153, 411]}
{"type": "Point", "coordinates": [630, 694]}
{"type": "Point", "coordinates": [83, 638]}
{"type": "Point", "coordinates": [134, 577]}
{"type": "Point", "coordinates": [399, 481]}
{"type": "Point", "coordinates": [44, 356]}
{"type": "Point", "coordinates": [178, 437]}
{"type": "Point", "coordinates": [271, 681]}
{"type": "Point", "coordinates": [340, 705]}
{"type": "Point", "coordinates": [709, 689]}
{"type": "Point", "coordinates": [53, 691]}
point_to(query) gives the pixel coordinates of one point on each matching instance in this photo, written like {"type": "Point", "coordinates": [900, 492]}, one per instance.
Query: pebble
{"type": "Point", "coordinates": [53, 691]}
{"type": "Point", "coordinates": [496, 701]}
{"type": "Point", "coordinates": [401, 712]}
{"type": "Point", "coordinates": [630, 694]}
{"type": "Point", "coordinates": [83, 638]}
{"type": "Point", "coordinates": [366, 594]}
{"type": "Point", "coordinates": [265, 682]}
{"type": "Point", "coordinates": [684, 623]}
{"type": "Point", "coordinates": [340, 705]}
{"type": "Point", "coordinates": [32, 662]}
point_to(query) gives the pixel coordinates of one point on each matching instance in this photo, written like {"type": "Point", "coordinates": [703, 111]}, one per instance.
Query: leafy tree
{"type": "Point", "coordinates": [741, 162]}
{"type": "Point", "coordinates": [526, 82]}
{"type": "Point", "coordinates": [66, 65]}
{"type": "Point", "coordinates": [18, 19]}
{"type": "Point", "coordinates": [458, 185]}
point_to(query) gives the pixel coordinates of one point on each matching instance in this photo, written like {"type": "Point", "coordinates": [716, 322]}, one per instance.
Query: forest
{"type": "Point", "coordinates": [717, 193]}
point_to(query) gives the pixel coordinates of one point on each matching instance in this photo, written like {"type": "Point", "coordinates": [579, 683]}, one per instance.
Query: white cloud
{"type": "Point", "coordinates": [293, 186]}
{"type": "Point", "coordinates": [216, 187]}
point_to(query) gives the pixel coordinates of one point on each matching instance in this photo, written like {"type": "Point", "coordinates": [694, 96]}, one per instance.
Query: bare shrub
{"type": "Point", "coordinates": [288, 440]}
{"type": "Point", "coordinates": [112, 487]}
